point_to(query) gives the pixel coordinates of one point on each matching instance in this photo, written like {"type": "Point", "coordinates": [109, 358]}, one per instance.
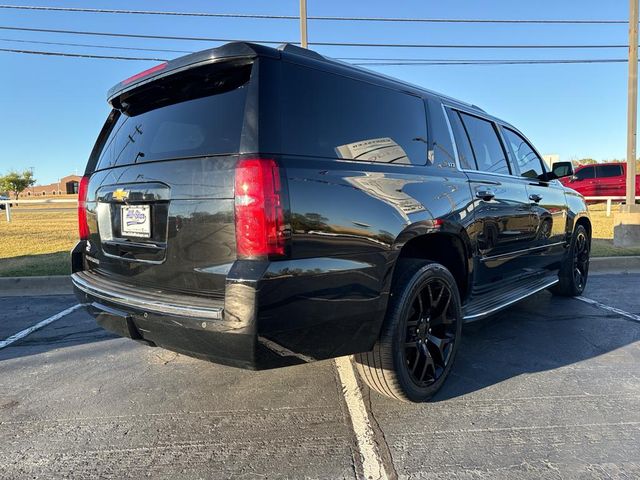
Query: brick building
{"type": "Point", "coordinates": [66, 186]}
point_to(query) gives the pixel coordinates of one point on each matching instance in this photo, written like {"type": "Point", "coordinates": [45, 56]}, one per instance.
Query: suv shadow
{"type": "Point", "coordinates": [538, 334]}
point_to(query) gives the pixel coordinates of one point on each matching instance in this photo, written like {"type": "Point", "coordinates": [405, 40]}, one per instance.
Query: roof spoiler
{"type": "Point", "coordinates": [234, 50]}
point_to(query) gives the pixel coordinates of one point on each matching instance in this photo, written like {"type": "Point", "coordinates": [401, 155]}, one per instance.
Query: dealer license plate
{"type": "Point", "coordinates": [135, 221]}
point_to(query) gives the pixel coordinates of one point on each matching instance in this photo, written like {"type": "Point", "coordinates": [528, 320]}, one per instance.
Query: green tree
{"type": "Point", "coordinates": [587, 161]}
{"type": "Point", "coordinates": [17, 182]}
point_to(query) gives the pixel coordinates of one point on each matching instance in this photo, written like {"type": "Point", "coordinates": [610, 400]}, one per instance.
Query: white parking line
{"type": "Point", "coordinates": [33, 328]}
{"type": "Point", "coordinates": [372, 465]}
{"type": "Point", "coordinates": [630, 316]}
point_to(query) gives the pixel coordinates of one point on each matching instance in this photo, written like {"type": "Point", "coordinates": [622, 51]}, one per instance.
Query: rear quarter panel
{"type": "Point", "coordinates": [348, 222]}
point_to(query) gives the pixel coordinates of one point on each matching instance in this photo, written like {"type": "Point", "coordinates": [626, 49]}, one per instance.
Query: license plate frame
{"type": "Point", "coordinates": [135, 221]}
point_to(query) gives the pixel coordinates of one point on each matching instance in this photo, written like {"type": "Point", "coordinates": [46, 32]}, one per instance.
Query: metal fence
{"type": "Point", "coordinates": [609, 200]}
{"type": "Point", "coordinates": [10, 203]}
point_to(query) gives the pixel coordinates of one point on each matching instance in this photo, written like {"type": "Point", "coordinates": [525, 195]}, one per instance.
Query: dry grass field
{"type": "Point", "coordinates": [38, 240]}
{"type": "Point", "coordinates": [602, 242]}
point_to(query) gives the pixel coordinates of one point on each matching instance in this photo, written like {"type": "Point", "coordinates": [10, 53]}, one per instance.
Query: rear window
{"type": "Point", "coordinates": [199, 115]}
{"type": "Point", "coordinates": [329, 115]}
{"type": "Point", "coordinates": [603, 171]}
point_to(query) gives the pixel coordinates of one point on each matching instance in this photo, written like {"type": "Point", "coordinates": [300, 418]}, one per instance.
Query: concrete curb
{"type": "Point", "coordinates": [61, 284]}
{"type": "Point", "coordinates": [627, 264]}
{"type": "Point", "coordinates": [25, 286]}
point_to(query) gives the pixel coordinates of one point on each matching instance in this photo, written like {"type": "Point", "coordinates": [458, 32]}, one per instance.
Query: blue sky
{"type": "Point", "coordinates": [53, 107]}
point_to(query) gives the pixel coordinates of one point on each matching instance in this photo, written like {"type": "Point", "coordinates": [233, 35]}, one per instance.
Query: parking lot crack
{"type": "Point", "coordinates": [380, 438]}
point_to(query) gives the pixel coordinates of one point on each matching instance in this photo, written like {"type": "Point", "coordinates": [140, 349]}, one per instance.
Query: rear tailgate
{"type": "Point", "coordinates": [160, 197]}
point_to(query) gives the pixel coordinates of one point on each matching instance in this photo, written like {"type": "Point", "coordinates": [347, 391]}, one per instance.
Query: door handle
{"type": "Point", "coordinates": [485, 194]}
{"type": "Point", "coordinates": [535, 197]}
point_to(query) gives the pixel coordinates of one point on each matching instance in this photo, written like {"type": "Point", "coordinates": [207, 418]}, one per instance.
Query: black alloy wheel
{"type": "Point", "coordinates": [581, 260]}
{"type": "Point", "coordinates": [430, 332]}
{"type": "Point", "coordinates": [574, 270]}
{"type": "Point", "coordinates": [420, 335]}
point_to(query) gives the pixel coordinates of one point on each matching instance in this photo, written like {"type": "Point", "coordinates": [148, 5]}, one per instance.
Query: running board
{"type": "Point", "coordinates": [485, 305]}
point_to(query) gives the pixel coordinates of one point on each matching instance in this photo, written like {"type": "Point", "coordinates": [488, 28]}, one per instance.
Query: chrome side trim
{"type": "Point", "coordinates": [214, 313]}
{"type": "Point", "coordinates": [477, 316]}
{"type": "Point", "coordinates": [521, 252]}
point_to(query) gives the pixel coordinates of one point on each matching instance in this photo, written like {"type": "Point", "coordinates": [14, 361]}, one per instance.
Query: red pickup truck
{"type": "Point", "coordinates": [600, 180]}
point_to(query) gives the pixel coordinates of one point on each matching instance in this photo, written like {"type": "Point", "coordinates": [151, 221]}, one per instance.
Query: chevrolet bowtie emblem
{"type": "Point", "coordinates": [120, 194]}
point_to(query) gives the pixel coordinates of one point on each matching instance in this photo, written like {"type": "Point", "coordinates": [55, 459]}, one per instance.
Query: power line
{"type": "Point", "coordinates": [92, 45]}
{"type": "Point", "coordinates": [135, 35]}
{"type": "Point", "coordinates": [79, 55]}
{"type": "Point", "coordinates": [331, 44]}
{"type": "Point", "coordinates": [422, 62]}
{"type": "Point", "coordinates": [325, 18]}
{"type": "Point", "coordinates": [494, 62]}
{"type": "Point", "coordinates": [412, 60]}
{"type": "Point", "coordinates": [360, 60]}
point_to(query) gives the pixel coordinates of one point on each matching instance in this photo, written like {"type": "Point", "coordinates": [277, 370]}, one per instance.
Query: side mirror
{"type": "Point", "coordinates": [562, 169]}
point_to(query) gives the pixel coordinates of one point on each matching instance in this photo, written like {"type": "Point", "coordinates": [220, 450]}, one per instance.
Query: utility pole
{"type": "Point", "coordinates": [303, 23]}
{"type": "Point", "coordinates": [632, 105]}
{"type": "Point", "coordinates": [626, 223]}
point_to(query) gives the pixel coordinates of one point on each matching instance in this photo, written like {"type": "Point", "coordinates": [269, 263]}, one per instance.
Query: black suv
{"type": "Point", "coordinates": [263, 207]}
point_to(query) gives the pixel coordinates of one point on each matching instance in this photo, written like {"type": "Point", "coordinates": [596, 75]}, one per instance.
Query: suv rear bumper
{"type": "Point", "coordinates": [190, 325]}
{"type": "Point", "coordinates": [273, 314]}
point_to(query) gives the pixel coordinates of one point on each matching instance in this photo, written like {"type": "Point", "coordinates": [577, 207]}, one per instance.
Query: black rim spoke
{"type": "Point", "coordinates": [440, 315]}
{"type": "Point", "coordinates": [580, 260]}
{"type": "Point", "coordinates": [428, 363]}
{"type": "Point", "coordinates": [439, 347]}
{"type": "Point", "coordinates": [420, 305]}
{"type": "Point", "coordinates": [430, 332]}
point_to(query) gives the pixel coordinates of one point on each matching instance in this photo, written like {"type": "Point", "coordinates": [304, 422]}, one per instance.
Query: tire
{"type": "Point", "coordinates": [574, 270]}
{"type": "Point", "coordinates": [420, 334]}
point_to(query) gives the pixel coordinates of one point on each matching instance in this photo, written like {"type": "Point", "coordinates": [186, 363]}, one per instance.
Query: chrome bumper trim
{"type": "Point", "coordinates": [144, 304]}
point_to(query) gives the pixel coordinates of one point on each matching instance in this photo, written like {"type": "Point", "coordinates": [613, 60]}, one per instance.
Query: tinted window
{"type": "Point", "coordinates": [465, 154]}
{"type": "Point", "coordinates": [206, 125]}
{"type": "Point", "coordinates": [587, 172]}
{"type": "Point", "coordinates": [329, 115]}
{"type": "Point", "coordinates": [528, 161]}
{"type": "Point", "coordinates": [486, 146]}
{"type": "Point", "coordinates": [562, 169]}
{"type": "Point", "coordinates": [441, 153]}
{"type": "Point", "coordinates": [608, 171]}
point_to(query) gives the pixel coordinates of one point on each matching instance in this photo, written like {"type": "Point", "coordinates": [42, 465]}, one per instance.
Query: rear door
{"type": "Point", "coordinates": [610, 181]}
{"type": "Point", "coordinates": [502, 221]}
{"type": "Point", "coordinates": [160, 202]}
{"type": "Point", "coordinates": [546, 200]}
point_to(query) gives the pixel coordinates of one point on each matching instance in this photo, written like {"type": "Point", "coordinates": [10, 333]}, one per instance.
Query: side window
{"type": "Point", "coordinates": [586, 172]}
{"type": "Point", "coordinates": [465, 154]}
{"type": "Point", "coordinates": [608, 171]}
{"type": "Point", "coordinates": [488, 151]}
{"type": "Point", "coordinates": [333, 116]}
{"type": "Point", "coordinates": [528, 161]}
{"type": "Point", "coordinates": [441, 152]}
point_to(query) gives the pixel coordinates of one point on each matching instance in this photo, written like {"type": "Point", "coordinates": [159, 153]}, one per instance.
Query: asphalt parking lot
{"type": "Point", "coordinates": [549, 388]}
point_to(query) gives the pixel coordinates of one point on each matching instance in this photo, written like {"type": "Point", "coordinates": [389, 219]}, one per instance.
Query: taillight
{"type": "Point", "coordinates": [258, 209]}
{"type": "Point", "coordinates": [83, 226]}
